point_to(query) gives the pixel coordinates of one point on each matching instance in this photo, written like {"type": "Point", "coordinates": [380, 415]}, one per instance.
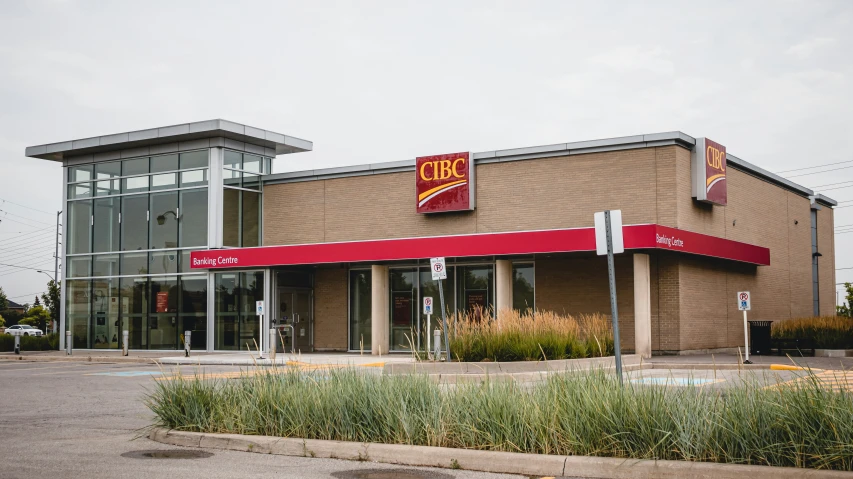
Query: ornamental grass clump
{"type": "Point", "coordinates": [528, 336]}
{"type": "Point", "coordinates": [825, 332]}
{"type": "Point", "coordinates": [797, 424]}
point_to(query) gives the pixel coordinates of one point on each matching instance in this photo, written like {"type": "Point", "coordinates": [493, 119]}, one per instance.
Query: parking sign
{"type": "Point", "coordinates": [427, 305]}
{"type": "Point", "coordinates": [438, 268]}
{"type": "Point", "coordinates": [743, 301]}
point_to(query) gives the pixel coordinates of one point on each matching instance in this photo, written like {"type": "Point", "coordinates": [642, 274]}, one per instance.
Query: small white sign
{"type": "Point", "coordinates": [615, 232]}
{"type": "Point", "coordinates": [259, 308]}
{"type": "Point", "coordinates": [438, 268]}
{"type": "Point", "coordinates": [427, 305]}
{"type": "Point", "coordinates": [743, 301]}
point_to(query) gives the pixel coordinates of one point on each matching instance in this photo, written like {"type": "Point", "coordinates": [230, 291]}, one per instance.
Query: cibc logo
{"type": "Point", "coordinates": [445, 183]}
{"type": "Point", "coordinates": [709, 172]}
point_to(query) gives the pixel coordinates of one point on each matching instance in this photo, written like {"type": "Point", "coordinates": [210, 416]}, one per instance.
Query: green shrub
{"type": "Point", "coordinates": [826, 332]}
{"type": "Point", "coordinates": [528, 336]}
{"type": "Point", "coordinates": [581, 413]}
{"type": "Point", "coordinates": [48, 342]}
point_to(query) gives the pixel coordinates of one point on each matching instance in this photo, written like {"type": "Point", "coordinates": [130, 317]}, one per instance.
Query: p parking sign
{"type": "Point", "coordinates": [427, 305]}
{"type": "Point", "coordinates": [743, 301]}
{"type": "Point", "coordinates": [438, 268]}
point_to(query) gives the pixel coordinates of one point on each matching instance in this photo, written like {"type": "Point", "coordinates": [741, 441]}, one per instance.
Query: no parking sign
{"type": "Point", "coordinates": [427, 305]}
{"type": "Point", "coordinates": [743, 301]}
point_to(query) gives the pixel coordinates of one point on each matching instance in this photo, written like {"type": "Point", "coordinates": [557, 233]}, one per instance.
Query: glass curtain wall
{"type": "Point", "coordinates": [403, 317]}
{"type": "Point", "coordinates": [131, 225]}
{"type": "Point", "coordinates": [475, 289]}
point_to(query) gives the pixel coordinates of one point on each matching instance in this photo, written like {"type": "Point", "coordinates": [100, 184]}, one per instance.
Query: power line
{"type": "Point", "coordinates": [812, 167]}
{"type": "Point", "coordinates": [839, 269]}
{"type": "Point", "coordinates": [19, 222]}
{"type": "Point", "coordinates": [25, 217]}
{"type": "Point", "coordinates": [28, 294]}
{"type": "Point", "coordinates": [819, 172]}
{"type": "Point", "coordinates": [20, 266]}
{"type": "Point", "coordinates": [45, 267]}
{"type": "Point", "coordinates": [832, 184]}
{"type": "Point", "coordinates": [27, 207]}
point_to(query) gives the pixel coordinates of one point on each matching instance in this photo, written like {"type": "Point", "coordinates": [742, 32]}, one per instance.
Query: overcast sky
{"type": "Point", "coordinates": [370, 82]}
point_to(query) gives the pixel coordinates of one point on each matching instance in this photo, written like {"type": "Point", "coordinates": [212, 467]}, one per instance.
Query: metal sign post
{"type": "Point", "coordinates": [428, 313]}
{"type": "Point", "coordinates": [744, 303]}
{"type": "Point", "coordinates": [608, 240]}
{"type": "Point", "coordinates": [439, 272]}
{"type": "Point", "coordinates": [259, 311]}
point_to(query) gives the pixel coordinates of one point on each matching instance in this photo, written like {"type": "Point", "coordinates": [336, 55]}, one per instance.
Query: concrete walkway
{"type": "Point", "coordinates": [308, 359]}
{"type": "Point", "coordinates": [710, 360]}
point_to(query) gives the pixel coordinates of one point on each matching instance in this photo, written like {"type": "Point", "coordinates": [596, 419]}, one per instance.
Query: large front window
{"type": "Point", "coordinates": [236, 327]}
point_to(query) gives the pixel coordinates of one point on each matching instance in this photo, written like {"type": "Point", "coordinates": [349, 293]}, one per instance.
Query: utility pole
{"type": "Point", "coordinates": [56, 266]}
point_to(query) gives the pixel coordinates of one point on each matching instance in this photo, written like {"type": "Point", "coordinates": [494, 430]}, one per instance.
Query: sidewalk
{"type": "Point", "coordinates": [706, 360]}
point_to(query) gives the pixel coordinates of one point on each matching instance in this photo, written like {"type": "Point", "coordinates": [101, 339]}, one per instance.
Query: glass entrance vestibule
{"type": "Point", "coordinates": [468, 287]}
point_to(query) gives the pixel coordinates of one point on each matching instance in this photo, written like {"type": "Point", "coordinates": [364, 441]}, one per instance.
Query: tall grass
{"type": "Point", "coordinates": [528, 336]}
{"type": "Point", "coordinates": [825, 332]}
{"type": "Point", "coordinates": [801, 425]}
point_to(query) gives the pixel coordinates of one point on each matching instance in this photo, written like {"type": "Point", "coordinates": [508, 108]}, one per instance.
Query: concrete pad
{"type": "Point", "coordinates": [833, 353]}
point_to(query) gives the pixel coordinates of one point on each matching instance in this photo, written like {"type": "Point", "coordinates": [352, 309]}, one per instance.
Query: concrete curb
{"type": "Point", "coordinates": [90, 359]}
{"type": "Point", "coordinates": [486, 368]}
{"type": "Point", "coordinates": [487, 461]}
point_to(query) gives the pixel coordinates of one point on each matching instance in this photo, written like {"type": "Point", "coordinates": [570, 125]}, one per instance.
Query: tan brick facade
{"type": "Point", "coordinates": [693, 298]}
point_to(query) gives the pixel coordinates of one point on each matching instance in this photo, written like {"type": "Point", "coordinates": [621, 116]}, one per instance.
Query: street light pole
{"type": "Point", "coordinates": [56, 262]}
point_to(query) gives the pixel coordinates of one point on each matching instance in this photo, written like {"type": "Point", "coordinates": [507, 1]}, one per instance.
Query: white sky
{"type": "Point", "coordinates": [370, 82]}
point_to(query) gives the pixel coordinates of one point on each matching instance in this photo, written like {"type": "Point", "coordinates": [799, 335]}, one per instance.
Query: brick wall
{"type": "Point", "coordinates": [330, 309]}
{"type": "Point", "coordinates": [578, 285]}
{"type": "Point", "coordinates": [693, 304]}
{"type": "Point", "coordinates": [826, 263]}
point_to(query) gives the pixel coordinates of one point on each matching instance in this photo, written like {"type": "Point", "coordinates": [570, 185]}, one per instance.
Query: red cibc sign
{"type": "Point", "coordinates": [445, 183]}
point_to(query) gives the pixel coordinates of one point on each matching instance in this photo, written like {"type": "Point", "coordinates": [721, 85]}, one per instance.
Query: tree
{"type": "Point", "coordinates": [846, 309]}
{"type": "Point", "coordinates": [37, 302]}
{"type": "Point", "coordinates": [2, 322]}
{"type": "Point", "coordinates": [4, 301]}
{"type": "Point", "coordinates": [51, 300]}
{"type": "Point", "coordinates": [36, 316]}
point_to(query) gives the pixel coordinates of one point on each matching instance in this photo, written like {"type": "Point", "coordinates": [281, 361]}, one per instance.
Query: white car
{"type": "Point", "coordinates": [24, 330]}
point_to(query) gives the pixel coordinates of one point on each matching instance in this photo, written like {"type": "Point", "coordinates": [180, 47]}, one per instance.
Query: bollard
{"type": "Point", "coordinates": [187, 342]}
{"type": "Point", "coordinates": [68, 343]}
{"type": "Point", "coordinates": [273, 344]}
{"type": "Point", "coordinates": [124, 338]}
{"type": "Point", "coordinates": [17, 344]}
{"type": "Point", "coordinates": [436, 339]}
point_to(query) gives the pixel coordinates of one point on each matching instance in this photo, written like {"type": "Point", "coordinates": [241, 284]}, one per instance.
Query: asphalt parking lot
{"type": "Point", "coordinates": [73, 420]}
{"type": "Point", "coordinates": [82, 419]}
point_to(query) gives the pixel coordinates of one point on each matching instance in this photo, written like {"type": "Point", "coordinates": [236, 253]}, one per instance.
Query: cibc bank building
{"type": "Point", "coordinates": [184, 228]}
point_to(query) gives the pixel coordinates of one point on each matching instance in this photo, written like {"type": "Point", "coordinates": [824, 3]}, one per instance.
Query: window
{"type": "Point", "coordinates": [105, 328]}
{"type": "Point", "coordinates": [79, 266]}
{"type": "Point", "coordinates": [134, 225]}
{"type": "Point", "coordinates": [360, 297]}
{"type": "Point", "coordinates": [134, 310]}
{"type": "Point", "coordinates": [523, 287]}
{"type": "Point", "coordinates": [231, 217]}
{"type": "Point", "coordinates": [475, 289]}
{"type": "Point", "coordinates": [164, 220]}
{"type": "Point", "coordinates": [163, 312]}
{"type": "Point", "coordinates": [106, 234]}
{"type": "Point", "coordinates": [138, 166]}
{"type": "Point", "coordinates": [78, 309]}
{"type": "Point", "coordinates": [193, 220]}
{"type": "Point", "coordinates": [164, 163]}
{"type": "Point", "coordinates": [251, 219]}
{"type": "Point", "coordinates": [105, 265]}
{"type": "Point", "coordinates": [79, 173]}
{"type": "Point", "coordinates": [163, 262]}
{"type": "Point", "coordinates": [193, 315]}
{"type": "Point", "coordinates": [79, 227]}
{"type": "Point", "coordinates": [194, 159]}
{"type": "Point", "coordinates": [134, 263]}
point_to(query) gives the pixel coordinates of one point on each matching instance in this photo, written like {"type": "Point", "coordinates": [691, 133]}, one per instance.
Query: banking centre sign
{"type": "Point", "coordinates": [445, 183]}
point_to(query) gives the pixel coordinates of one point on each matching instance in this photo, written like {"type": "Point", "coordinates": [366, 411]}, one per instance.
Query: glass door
{"type": "Point", "coordinates": [404, 316]}
{"type": "Point", "coordinates": [295, 310]}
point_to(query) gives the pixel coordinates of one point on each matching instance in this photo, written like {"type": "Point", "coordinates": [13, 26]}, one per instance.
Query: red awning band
{"type": "Point", "coordinates": [649, 236]}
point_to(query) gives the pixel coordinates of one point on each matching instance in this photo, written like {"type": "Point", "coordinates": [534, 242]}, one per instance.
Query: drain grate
{"type": "Point", "coordinates": [167, 454]}
{"type": "Point", "coordinates": [390, 474]}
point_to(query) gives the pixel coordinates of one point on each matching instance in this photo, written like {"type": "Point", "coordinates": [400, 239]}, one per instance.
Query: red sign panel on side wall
{"type": "Point", "coordinates": [709, 172]}
{"type": "Point", "coordinates": [445, 183]}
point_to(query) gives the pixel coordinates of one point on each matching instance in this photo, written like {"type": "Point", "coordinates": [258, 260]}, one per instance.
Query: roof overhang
{"type": "Point", "coordinates": [636, 237]}
{"type": "Point", "coordinates": [282, 144]}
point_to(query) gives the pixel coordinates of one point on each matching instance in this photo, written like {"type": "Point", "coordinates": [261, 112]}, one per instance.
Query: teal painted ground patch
{"type": "Point", "coordinates": [127, 374]}
{"type": "Point", "coordinates": [673, 381]}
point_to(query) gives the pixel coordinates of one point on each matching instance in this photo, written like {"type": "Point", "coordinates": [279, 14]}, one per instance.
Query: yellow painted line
{"type": "Point", "coordinates": [785, 367]}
